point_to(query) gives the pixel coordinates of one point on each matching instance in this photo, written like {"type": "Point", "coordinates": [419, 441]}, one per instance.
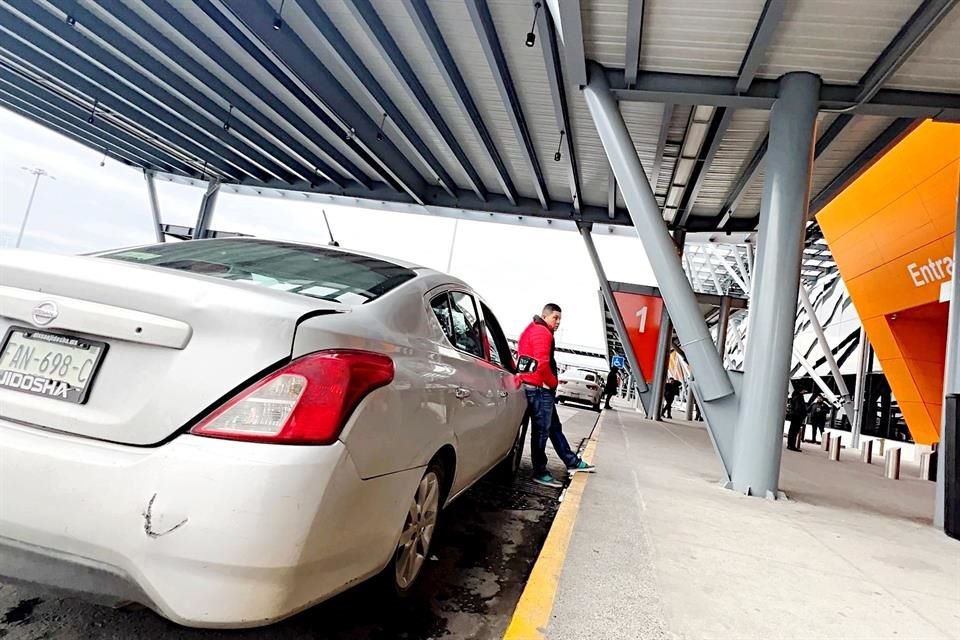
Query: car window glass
{"type": "Point", "coordinates": [500, 353]}
{"type": "Point", "coordinates": [494, 351]}
{"type": "Point", "coordinates": [441, 309]}
{"type": "Point", "coordinates": [317, 272]}
{"type": "Point", "coordinates": [466, 324]}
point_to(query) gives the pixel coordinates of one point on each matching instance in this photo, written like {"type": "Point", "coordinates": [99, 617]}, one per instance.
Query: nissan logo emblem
{"type": "Point", "coordinates": [45, 313]}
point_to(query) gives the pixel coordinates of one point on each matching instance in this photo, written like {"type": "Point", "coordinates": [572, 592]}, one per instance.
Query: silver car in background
{"type": "Point", "coordinates": [230, 431]}
{"type": "Point", "coordinates": [581, 385]}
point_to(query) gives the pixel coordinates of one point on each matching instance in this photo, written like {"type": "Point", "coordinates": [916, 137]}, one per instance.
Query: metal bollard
{"type": "Point", "coordinates": [881, 447]}
{"type": "Point", "coordinates": [825, 442]}
{"type": "Point", "coordinates": [925, 466]}
{"type": "Point", "coordinates": [835, 446]}
{"type": "Point", "coordinates": [892, 470]}
{"type": "Point", "coordinates": [866, 451]}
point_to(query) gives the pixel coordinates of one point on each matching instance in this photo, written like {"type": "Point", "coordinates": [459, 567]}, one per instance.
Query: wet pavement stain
{"type": "Point", "coordinates": [22, 612]}
{"type": "Point", "coordinates": [484, 550]}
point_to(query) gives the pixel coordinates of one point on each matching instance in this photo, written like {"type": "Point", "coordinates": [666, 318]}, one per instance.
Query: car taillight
{"type": "Point", "coordinates": [306, 402]}
{"type": "Point", "coordinates": [592, 387]}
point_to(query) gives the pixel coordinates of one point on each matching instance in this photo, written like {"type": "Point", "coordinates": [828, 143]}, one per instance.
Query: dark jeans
{"type": "Point", "coordinates": [668, 406]}
{"type": "Point", "coordinates": [542, 408]}
{"type": "Point", "coordinates": [795, 434]}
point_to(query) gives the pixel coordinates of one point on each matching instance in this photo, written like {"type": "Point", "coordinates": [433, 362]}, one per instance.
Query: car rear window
{"type": "Point", "coordinates": [316, 272]}
{"type": "Point", "coordinates": [580, 374]}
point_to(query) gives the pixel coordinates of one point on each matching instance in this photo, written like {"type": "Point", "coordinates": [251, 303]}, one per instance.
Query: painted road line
{"type": "Point", "coordinates": [532, 615]}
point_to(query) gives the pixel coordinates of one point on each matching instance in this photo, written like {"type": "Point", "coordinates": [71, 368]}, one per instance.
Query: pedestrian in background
{"type": "Point", "coordinates": [797, 415]}
{"type": "Point", "coordinates": [612, 385]}
{"type": "Point", "coordinates": [670, 392]}
{"type": "Point", "coordinates": [818, 418]}
{"type": "Point", "coordinates": [540, 385]}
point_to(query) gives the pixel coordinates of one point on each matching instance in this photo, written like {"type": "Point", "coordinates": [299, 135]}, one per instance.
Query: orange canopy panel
{"type": "Point", "coordinates": [891, 234]}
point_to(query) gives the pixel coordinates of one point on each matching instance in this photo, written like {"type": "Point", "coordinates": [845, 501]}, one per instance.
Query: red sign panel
{"type": "Point", "coordinates": [641, 316]}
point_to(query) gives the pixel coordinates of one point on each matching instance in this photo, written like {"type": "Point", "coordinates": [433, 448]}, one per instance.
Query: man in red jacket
{"type": "Point", "coordinates": [540, 386]}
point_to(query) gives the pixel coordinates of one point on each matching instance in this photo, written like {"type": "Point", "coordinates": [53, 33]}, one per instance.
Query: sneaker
{"type": "Point", "coordinates": [548, 480]}
{"type": "Point", "coordinates": [582, 466]}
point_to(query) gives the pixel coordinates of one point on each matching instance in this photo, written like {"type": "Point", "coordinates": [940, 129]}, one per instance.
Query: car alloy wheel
{"type": "Point", "coordinates": [421, 522]}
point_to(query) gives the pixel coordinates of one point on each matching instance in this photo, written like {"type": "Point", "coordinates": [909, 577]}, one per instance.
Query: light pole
{"type": "Point", "coordinates": [38, 173]}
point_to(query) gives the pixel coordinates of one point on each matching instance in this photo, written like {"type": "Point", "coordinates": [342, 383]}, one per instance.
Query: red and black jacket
{"type": "Point", "coordinates": [537, 342]}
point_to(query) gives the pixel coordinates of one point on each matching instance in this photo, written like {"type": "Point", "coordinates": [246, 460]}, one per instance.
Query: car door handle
{"type": "Point", "coordinates": [504, 394]}
{"type": "Point", "coordinates": [462, 393]}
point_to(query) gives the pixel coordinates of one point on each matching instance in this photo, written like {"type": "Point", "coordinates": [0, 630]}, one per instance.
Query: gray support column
{"type": "Point", "coordinates": [207, 206]}
{"type": "Point", "coordinates": [723, 327]}
{"type": "Point", "coordinates": [783, 219]}
{"type": "Point", "coordinates": [845, 396]}
{"type": "Point", "coordinates": [638, 376]}
{"type": "Point", "coordinates": [154, 205]}
{"type": "Point", "coordinates": [951, 384]}
{"type": "Point", "coordinates": [678, 297]}
{"type": "Point", "coordinates": [664, 344]}
{"type": "Point", "coordinates": [864, 358]}
{"type": "Point", "coordinates": [664, 340]}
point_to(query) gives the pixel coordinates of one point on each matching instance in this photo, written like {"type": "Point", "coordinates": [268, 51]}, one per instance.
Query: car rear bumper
{"type": "Point", "coordinates": [590, 397]}
{"type": "Point", "coordinates": [207, 532]}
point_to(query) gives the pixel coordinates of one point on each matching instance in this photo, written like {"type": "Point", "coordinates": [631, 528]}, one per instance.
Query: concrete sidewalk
{"type": "Point", "coordinates": [660, 550]}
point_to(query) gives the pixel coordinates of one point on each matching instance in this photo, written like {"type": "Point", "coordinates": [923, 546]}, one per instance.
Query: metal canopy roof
{"type": "Point", "coordinates": [439, 106]}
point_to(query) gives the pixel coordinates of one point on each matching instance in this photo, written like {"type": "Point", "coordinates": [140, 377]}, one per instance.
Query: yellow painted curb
{"type": "Point", "coordinates": [532, 615]}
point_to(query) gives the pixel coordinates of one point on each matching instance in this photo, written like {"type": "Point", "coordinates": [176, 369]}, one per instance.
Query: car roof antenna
{"type": "Point", "coordinates": [333, 243]}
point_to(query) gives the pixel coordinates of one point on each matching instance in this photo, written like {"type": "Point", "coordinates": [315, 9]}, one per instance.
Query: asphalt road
{"type": "Point", "coordinates": [483, 553]}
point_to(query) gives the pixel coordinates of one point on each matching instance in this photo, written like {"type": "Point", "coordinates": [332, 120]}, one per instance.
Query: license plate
{"type": "Point", "coordinates": [49, 364]}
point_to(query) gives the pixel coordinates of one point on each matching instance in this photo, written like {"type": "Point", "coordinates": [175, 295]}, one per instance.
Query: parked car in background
{"type": "Point", "coordinates": [581, 385]}
{"type": "Point", "coordinates": [230, 431]}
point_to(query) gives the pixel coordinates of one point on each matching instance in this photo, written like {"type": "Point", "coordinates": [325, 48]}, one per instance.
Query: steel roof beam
{"type": "Point", "coordinates": [464, 204]}
{"type": "Point", "coordinates": [274, 139]}
{"type": "Point", "coordinates": [661, 144]}
{"type": "Point", "coordinates": [890, 137]}
{"type": "Point", "coordinates": [109, 48]}
{"type": "Point", "coordinates": [918, 27]}
{"type": "Point", "coordinates": [924, 20]}
{"type": "Point", "coordinates": [257, 20]}
{"type": "Point", "coordinates": [67, 130]}
{"type": "Point", "coordinates": [770, 18]}
{"type": "Point", "coordinates": [77, 106]}
{"type": "Point", "coordinates": [377, 31]}
{"type": "Point", "coordinates": [334, 126]}
{"type": "Point", "coordinates": [558, 94]}
{"type": "Point", "coordinates": [566, 17]}
{"type": "Point", "coordinates": [432, 37]}
{"type": "Point", "coordinates": [634, 40]}
{"type": "Point", "coordinates": [109, 134]}
{"type": "Point", "coordinates": [341, 49]}
{"type": "Point", "coordinates": [44, 53]}
{"type": "Point", "coordinates": [191, 32]}
{"type": "Point", "coordinates": [611, 193]}
{"type": "Point", "coordinates": [719, 91]}
{"type": "Point", "coordinates": [490, 43]}
{"type": "Point", "coordinates": [75, 103]}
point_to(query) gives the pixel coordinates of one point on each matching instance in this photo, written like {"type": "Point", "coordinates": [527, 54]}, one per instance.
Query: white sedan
{"type": "Point", "coordinates": [230, 431]}
{"type": "Point", "coordinates": [581, 385]}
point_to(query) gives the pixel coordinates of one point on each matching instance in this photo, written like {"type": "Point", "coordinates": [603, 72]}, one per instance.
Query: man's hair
{"type": "Point", "coordinates": [550, 308]}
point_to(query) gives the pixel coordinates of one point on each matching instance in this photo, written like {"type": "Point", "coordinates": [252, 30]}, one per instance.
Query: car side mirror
{"type": "Point", "coordinates": [526, 364]}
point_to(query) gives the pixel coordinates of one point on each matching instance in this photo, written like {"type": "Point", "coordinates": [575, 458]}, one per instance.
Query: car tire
{"type": "Point", "coordinates": [508, 468]}
{"type": "Point", "coordinates": [596, 407]}
{"type": "Point", "coordinates": [412, 554]}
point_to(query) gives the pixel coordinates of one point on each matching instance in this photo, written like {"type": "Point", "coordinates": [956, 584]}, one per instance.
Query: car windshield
{"type": "Point", "coordinates": [317, 272]}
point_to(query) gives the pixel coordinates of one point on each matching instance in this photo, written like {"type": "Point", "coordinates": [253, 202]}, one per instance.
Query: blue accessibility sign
{"type": "Point", "coordinates": [618, 362]}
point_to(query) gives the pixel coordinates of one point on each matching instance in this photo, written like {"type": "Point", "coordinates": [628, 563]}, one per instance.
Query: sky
{"type": "Point", "coordinates": [88, 207]}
